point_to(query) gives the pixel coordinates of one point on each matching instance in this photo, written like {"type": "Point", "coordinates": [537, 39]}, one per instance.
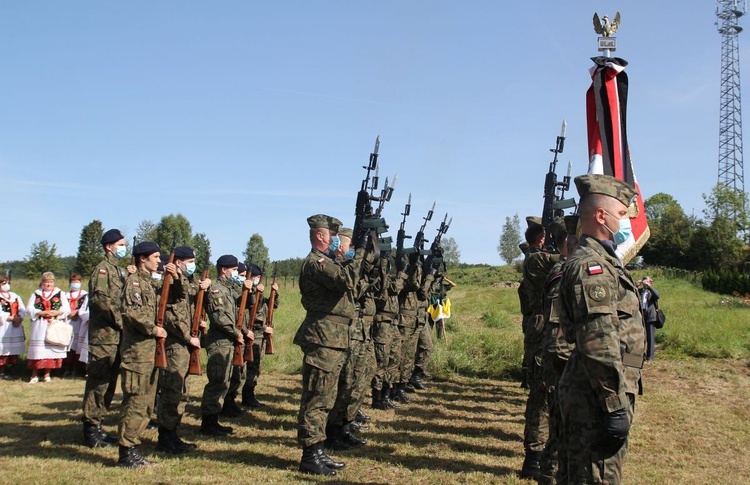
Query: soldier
{"type": "Point", "coordinates": [178, 321]}
{"type": "Point", "coordinates": [536, 267]}
{"type": "Point", "coordinates": [555, 349]}
{"type": "Point", "coordinates": [138, 347]}
{"type": "Point", "coordinates": [326, 293]}
{"type": "Point", "coordinates": [602, 317]}
{"type": "Point", "coordinates": [105, 326]}
{"type": "Point", "coordinates": [260, 330]}
{"type": "Point", "coordinates": [221, 338]}
{"type": "Point", "coordinates": [230, 409]}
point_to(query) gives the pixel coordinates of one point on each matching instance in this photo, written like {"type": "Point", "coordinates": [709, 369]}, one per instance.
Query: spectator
{"type": "Point", "coordinates": [649, 298]}
{"type": "Point", "coordinates": [12, 338]}
{"type": "Point", "coordinates": [79, 319]}
{"type": "Point", "coordinates": [47, 305]}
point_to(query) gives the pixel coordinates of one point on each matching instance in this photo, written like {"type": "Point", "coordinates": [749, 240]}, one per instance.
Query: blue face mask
{"type": "Point", "coordinates": [75, 286]}
{"type": "Point", "coordinates": [349, 254]}
{"type": "Point", "coordinates": [189, 269]}
{"type": "Point", "coordinates": [121, 251]}
{"type": "Point", "coordinates": [235, 276]}
{"type": "Point", "coordinates": [623, 232]}
{"type": "Point", "coordinates": [334, 244]}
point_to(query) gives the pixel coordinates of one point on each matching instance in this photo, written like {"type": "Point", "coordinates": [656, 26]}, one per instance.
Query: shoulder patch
{"type": "Point", "coordinates": [322, 260]}
{"type": "Point", "coordinates": [135, 283]}
{"type": "Point", "coordinates": [597, 292]}
{"type": "Point", "coordinates": [102, 271]}
{"type": "Point", "coordinates": [594, 269]}
{"type": "Point", "coordinates": [215, 292]}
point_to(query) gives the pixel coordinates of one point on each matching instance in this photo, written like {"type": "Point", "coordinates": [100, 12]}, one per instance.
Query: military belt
{"type": "Point", "coordinates": [368, 318]}
{"type": "Point", "coordinates": [387, 315]}
{"type": "Point", "coordinates": [408, 313]}
{"type": "Point", "coordinates": [338, 319]}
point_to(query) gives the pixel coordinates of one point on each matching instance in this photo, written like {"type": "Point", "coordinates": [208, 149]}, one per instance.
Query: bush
{"type": "Point", "coordinates": [726, 282]}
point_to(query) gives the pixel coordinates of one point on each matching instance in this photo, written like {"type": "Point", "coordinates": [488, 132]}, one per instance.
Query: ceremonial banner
{"type": "Point", "coordinates": [606, 108]}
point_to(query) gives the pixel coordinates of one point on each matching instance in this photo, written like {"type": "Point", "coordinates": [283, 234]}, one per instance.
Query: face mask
{"type": "Point", "coordinates": [5, 287]}
{"type": "Point", "coordinates": [256, 281]}
{"type": "Point", "coordinates": [189, 269]}
{"type": "Point", "coordinates": [334, 244]}
{"type": "Point", "coordinates": [349, 254]}
{"type": "Point", "coordinates": [156, 276]}
{"type": "Point", "coordinates": [120, 252]}
{"type": "Point", "coordinates": [75, 286]}
{"type": "Point", "coordinates": [623, 232]}
{"type": "Point", "coordinates": [235, 276]}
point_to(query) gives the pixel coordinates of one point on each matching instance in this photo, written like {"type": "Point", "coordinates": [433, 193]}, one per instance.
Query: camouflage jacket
{"type": "Point", "coordinates": [602, 316]}
{"type": "Point", "coordinates": [139, 302]}
{"type": "Point", "coordinates": [413, 298]}
{"type": "Point", "coordinates": [386, 295]}
{"type": "Point", "coordinates": [365, 299]}
{"type": "Point", "coordinates": [326, 290]}
{"type": "Point", "coordinates": [553, 339]}
{"type": "Point", "coordinates": [536, 267]}
{"type": "Point", "coordinates": [178, 318]}
{"type": "Point", "coordinates": [221, 309]}
{"type": "Point", "coordinates": [105, 302]}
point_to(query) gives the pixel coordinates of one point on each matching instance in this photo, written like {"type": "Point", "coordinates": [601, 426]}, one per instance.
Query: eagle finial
{"type": "Point", "coordinates": [604, 27]}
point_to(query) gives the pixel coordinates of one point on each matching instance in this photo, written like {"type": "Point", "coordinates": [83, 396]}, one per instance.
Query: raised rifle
{"type": "Point", "coordinates": [132, 256]}
{"type": "Point", "coordinates": [436, 250]}
{"type": "Point", "coordinates": [195, 330]}
{"type": "Point", "coordinates": [401, 236]}
{"type": "Point", "coordinates": [419, 239]}
{"type": "Point", "coordinates": [366, 220]}
{"type": "Point", "coordinates": [160, 358]}
{"type": "Point", "coordinates": [269, 317]}
{"type": "Point", "coordinates": [554, 191]}
{"type": "Point", "coordinates": [238, 357]}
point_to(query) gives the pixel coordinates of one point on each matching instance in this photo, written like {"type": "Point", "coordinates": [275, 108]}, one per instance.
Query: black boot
{"type": "Point", "coordinates": [531, 465]}
{"type": "Point", "coordinates": [416, 382]}
{"type": "Point", "coordinates": [327, 460]}
{"type": "Point", "coordinates": [421, 373]}
{"type": "Point", "coordinates": [249, 400]}
{"type": "Point", "coordinates": [130, 458]}
{"type": "Point", "coordinates": [400, 395]}
{"type": "Point", "coordinates": [377, 400]}
{"type": "Point", "coordinates": [334, 439]}
{"type": "Point", "coordinates": [347, 436]}
{"type": "Point", "coordinates": [312, 464]}
{"type": "Point", "coordinates": [231, 409]}
{"type": "Point", "coordinates": [92, 437]}
{"type": "Point", "coordinates": [107, 438]}
{"type": "Point", "coordinates": [388, 393]}
{"type": "Point", "coordinates": [184, 444]}
{"type": "Point", "coordinates": [361, 417]}
{"type": "Point", "coordinates": [407, 387]}
{"type": "Point", "coordinates": [210, 426]}
{"type": "Point", "coordinates": [168, 443]}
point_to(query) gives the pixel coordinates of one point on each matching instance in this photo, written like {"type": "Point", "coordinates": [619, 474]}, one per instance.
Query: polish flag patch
{"type": "Point", "coordinates": [595, 269]}
{"type": "Point", "coordinates": [135, 283]}
{"type": "Point", "coordinates": [102, 271]}
{"type": "Point", "coordinates": [214, 291]}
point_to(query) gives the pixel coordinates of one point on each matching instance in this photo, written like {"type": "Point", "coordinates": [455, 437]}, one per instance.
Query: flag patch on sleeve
{"type": "Point", "coordinates": [595, 269]}
{"type": "Point", "coordinates": [135, 283]}
{"type": "Point", "coordinates": [102, 271]}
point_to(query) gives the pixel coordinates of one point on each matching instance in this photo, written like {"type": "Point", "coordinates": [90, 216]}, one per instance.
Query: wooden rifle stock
{"type": "Point", "coordinates": [195, 330]}
{"type": "Point", "coordinates": [269, 318]}
{"type": "Point", "coordinates": [160, 358]}
{"type": "Point", "coordinates": [249, 356]}
{"type": "Point", "coordinates": [238, 357]}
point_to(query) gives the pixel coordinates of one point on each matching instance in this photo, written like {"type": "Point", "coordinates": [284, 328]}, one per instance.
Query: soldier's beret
{"type": "Point", "coordinates": [571, 223]}
{"type": "Point", "coordinates": [241, 267]}
{"type": "Point", "coordinates": [145, 248]}
{"type": "Point", "coordinates": [318, 221]}
{"type": "Point", "coordinates": [533, 221]}
{"type": "Point", "coordinates": [113, 235]}
{"type": "Point", "coordinates": [345, 231]}
{"type": "Point", "coordinates": [227, 261]}
{"type": "Point", "coordinates": [184, 252]}
{"type": "Point", "coordinates": [255, 270]}
{"type": "Point", "coordinates": [558, 229]}
{"type": "Point", "coordinates": [605, 185]}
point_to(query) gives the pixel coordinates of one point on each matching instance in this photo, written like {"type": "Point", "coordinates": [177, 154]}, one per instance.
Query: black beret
{"type": "Point", "coordinates": [227, 261]}
{"type": "Point", "coordinates": [113, 235]}
{"type": "Point", "coordinates": [241, 267]}
{"type": "Point", "coordinates": [255, 270]}
{"type": "Point", "coordinates": [145, 248]}
{"type": "Point", "coordinates": [184, 252]}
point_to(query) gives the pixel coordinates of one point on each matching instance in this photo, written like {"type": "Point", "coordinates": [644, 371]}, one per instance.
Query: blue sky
{"type": "Point", "coordinates": [250, 116]}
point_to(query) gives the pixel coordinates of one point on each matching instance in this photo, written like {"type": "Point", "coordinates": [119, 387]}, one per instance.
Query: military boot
{"type": "Point", "coordinates": [327, 460]}
{"type": "Point", "coordinates": [407, 387]}
{"type": "Point", "coordinates": [231, 409]}
{"type": "Point", "coordinates": [531, 465]}
{"type": "Point", "coordinates": [387, 398]}
{"type": "Point", "coordinates": [184, 444]}
{"type": "Point", "coordinates": [168, 443]}
{"type": "Point", "coordinates": [377, 400]}
{"type": "Point", "coordinates": [347, 436]}
{"type": "Point", "coordinates": [312, 464]}
{"type": "Point", "coordinates": [416, 382]}
{"type": "Point", "coordinates": [93, 436]}
{"type": "Point", "coordinates": [400, 395]}
{"type": "Point", "coordinates": [130, 458]}
{"type": "Point", "coordinates": [249, 400]}
{"type": "Point", "coordinates": [334, 439]}
{"type": "Point", "coordinates": [361, 417]}
{"type": "Point", "coordinates": [107, 438]}
{"type": "Point", "coordinates": [210, 426]}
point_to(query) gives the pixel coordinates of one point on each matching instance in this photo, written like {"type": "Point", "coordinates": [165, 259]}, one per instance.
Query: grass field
{"type": "Point", "coordinates": [692, 425]}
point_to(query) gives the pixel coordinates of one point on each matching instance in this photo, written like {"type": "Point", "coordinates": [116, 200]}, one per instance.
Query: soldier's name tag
{"type": "Point", "coordinates": [594, 269]}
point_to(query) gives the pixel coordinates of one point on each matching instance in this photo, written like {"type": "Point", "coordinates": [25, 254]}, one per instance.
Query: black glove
{"type": "Point", "coordinates": [616, 429]}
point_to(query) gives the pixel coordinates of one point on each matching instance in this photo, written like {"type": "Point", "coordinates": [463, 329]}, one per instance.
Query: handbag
{"type": "Point", "coordinates": [661, 318]}
{"type": "Point", "coordinates": [59, 333]}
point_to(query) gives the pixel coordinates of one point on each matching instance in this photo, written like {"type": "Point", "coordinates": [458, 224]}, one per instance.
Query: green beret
{"type": "Point", "coordinates": [557, 228]}
{"type": "Point", "coordinates": [345, 231]}
{"type": "Point", "coordinates": [533, 221]}
{"type": "Point", "coordinates": [571, 223]}
{"type": "Point", "coordinates": [318, 221]}
{"type": "Point", "coordinates": [605, 185]}
{"type": "Point", "coordinates": [334, 224]}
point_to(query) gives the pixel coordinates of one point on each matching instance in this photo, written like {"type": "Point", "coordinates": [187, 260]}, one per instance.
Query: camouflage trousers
{"type": "Point", "coordinates": [396, 355]}
{"type": "Point", "coordinates": [408, 351]}
{"type": "Point", "coordinates": [139, 381]}
{"type": "Point", "coordinates": [536, 427]}
{"type": "Point", "coordinates": [555, 456]}
{"type": "Point", "coordinates": [583, 431]}
{"type": "Point", "coordinates": [348, 388]}
{"type": "Point", "coordinates": [382, 340]}
{"type": "Point", "coordinates": [237, 381]}
{"type": "Point", "coordinates": [363, 369]}
{"type": "Point", "coordinates": [101, 383]}
{"type": "Point", "coordinates": [424, 347]}
{"type": "Point", "coordinates": [218, 370]}
{"type": "Point", "coordinates": [253, 368]}
{"type": "Point", "coordinates": [321, 368]}
{"type": "Point", "coordinates": [173, 387]}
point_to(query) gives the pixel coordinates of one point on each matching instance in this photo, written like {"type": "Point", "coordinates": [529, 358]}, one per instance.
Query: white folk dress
{"type": "Point", "coordinates": [12, 339]}
{"type": "Point", "coordinates": [78, 300]}
{"type": "Point", "coordinates": [38, 348]}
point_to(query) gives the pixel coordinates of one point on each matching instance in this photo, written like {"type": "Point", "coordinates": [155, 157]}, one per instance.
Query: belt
{"type": "Point", "coordinates": [387, 315]}
{"type": "Point", "coordinates": [368, 318]}
{"type": "Point", "coordinates": [409, 313]}
{"type": "Point", "coordinates": [338, 319]}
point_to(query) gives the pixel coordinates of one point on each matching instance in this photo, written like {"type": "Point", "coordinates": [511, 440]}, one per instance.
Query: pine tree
{"type": "Point", "coordinates": [509, 239]}
{"type": "Point", "coordinates": [43, 258]}
{"type": "Point", "coordinates": [256, 251]}
{"type": "Point", "coordinates": [90, 250]}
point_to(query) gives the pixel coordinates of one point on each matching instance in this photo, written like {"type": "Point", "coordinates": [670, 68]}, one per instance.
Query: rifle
{"type": "Point", "coordinates": [132, 256]}
{"type": "Point", "coordinates": [249, 356]}
{"type": "Point", "coordinates": [238, 357]}
{"type": "Point", "coordinates": [554, 201]}
{"type": "Point", "coordinates": [436, 251]}
{"type": "Point", "coordinates": [401, 237]}
{"type": "Point", "coordinates": [195, 329]}
{"type": "Point", "coordinates": [269, 317]}
{"type": "Point", "coordinates": [365, 219]}
{"type": "Point", "coordinates": [160, 358]}
{"type": "Point", "coordinates": [419, 239]}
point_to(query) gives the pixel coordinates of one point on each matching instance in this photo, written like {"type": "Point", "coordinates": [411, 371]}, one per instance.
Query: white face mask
{"type": "Point", "coordinates": [75, 286]}
{"type": "Point", "coordinates": [189, 269]}
{"type": "Point", "coordinates": [256, 281]}
{"type": "Point", "coordinates": [156, 276]}
{"type": "Point", "coordinates": [5, 287]}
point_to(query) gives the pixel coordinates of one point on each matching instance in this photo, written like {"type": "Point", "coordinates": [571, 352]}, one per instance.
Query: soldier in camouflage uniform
{"type": "Point", "coordinates": [238, 378]}
{"type": "Point", "coordinates": [425, 344]}
{"type": "Point", "coordinates": [555, 350]}
{"type": "Point", "coordinates": [602, 317]}
{"type": "Point", "coordinates": [221, 338]}
{"type": "Point", "coordinates": [326, 293]}
{"type": "Point", "coordinates": [178, 320]}
{"type": "Point", "coordinates": [536, 267]}
{"type": "Point", "coordinates": [138, 347]}
{"type": "Point", "coordinates": [105, 326]}
{"type": "Point", "coordinates": [260, 330]}
{"type": "Point", "coordinates": [525, 314]}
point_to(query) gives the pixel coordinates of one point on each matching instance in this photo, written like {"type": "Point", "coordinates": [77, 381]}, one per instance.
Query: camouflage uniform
{"type": "Point", "coordinates": [326, 293]}
{"type": "Point", "coordinates": [602, 317]}
{"type": "Point", "coordinates": [413, 311]}
{"type": "Point", "coordinates": [105, 327]}
{"type": "Point", "coordinates": [385, 334]}
{"type": "Point", "coordinates": [238, 376]}
{"type": "Point", "coordinates": [259, 347]}
{"type": "Point", "coordinates": [138, 346]}
{"type": "Point", "coordinates": [222, 334]}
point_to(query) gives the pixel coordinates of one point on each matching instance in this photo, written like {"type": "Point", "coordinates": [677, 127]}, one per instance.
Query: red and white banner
{"type": "Point", "coordinates": [606, 108]}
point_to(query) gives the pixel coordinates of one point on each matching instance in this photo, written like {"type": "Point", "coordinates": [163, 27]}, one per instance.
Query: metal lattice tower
{"type": "Point", "coordinates": [731, 170]}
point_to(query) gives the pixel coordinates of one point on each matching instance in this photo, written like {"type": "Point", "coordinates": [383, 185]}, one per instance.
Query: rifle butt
{"type": "Point", "coordinates": [249, 355]}
{"type": "Point", "coordinates": [238, 358]}
{"type": "Point", "coordinates": [195, 362]}
{"type": "Point", "coordinates": [269, 344]}
{"type": "Point", "coordinates": [160, 358]}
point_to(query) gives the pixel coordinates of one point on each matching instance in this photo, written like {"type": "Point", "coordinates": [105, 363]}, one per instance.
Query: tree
{"type": "Point", "coordinates": [146, 231]}
{"type": "Point", "coordinates": [90, 250]}
{"type": "Point", "coordinates": [451, 253]}
{"type": "Point", "coordinates": [43, 258]}
{"type": "Point", "coordinates": [727, 203]}
{"type": "Point", "coordinates": [510, 238]}
{"type": "Point", "coordinates": [290, 267]}
{"type": "Point", "coordinates": [202, 248]}
{"type": "Point", "coordinates": [168, 226]}
{"type": "Point", "coordinates": [671, 232]}
{"type": "Point", "coordinates": [256, 252]}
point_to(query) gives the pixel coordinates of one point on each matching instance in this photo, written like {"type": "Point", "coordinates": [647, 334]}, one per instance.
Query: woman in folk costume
{"type": "Point", "coordinates": [79, 319]}
{"type": "Point", "coordinates": [47, 305]}
{"type": "Point", "coordinates": [12, 338]}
